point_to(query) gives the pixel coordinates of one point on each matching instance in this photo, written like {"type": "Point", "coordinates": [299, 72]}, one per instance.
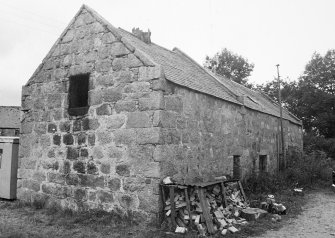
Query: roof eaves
{"type": "Point", "coordinates": [177, 50]}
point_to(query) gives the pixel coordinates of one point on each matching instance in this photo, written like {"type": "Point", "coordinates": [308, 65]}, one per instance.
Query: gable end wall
{"type": "Point", "coordinates": [104, 159]}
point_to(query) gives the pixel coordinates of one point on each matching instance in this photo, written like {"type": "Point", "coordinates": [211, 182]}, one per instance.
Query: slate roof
{"type": "Point", "coordinates": [181, 69]}
{"type": "Point", "coordinates": [9, 117]}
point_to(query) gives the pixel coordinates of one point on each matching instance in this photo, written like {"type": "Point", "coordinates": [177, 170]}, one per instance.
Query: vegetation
{"type": "Point", "coordinates": [230, 65]}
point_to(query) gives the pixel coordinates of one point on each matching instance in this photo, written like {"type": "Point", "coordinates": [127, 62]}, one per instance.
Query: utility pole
{"type": "Point", "coordinates": [283, 156]}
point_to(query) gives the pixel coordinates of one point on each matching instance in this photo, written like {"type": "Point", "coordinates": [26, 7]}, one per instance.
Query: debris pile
{"type": "Point", "coordinates": [207, 208]}
{"type": "Point", "coordinates": [272, 207]}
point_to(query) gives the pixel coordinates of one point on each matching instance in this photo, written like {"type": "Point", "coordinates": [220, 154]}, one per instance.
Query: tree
{"type": "Point", "coordinates": [312, 98]}
{"type": "Point", "coordinates": [230, 65]}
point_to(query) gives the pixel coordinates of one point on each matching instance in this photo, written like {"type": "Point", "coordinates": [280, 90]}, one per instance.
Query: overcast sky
{"type": "Point", "coordinates": [266, 32]}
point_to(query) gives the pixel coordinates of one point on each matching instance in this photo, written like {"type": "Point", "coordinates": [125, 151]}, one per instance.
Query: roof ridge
{"type": "Point", "coordinates": [204, 70]}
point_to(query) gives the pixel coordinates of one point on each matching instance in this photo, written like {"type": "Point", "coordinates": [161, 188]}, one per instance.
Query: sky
{"type": "Point", "coordinates": [266, 32]}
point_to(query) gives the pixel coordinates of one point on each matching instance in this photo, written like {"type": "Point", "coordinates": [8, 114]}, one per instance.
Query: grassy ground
{"type": "Point", "coordinates": [17, 220]}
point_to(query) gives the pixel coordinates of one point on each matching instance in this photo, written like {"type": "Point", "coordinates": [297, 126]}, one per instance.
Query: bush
{"type": "Point", "coordinates": [313, 143]}
{"type": "Point", "coordinates": [303, 169]}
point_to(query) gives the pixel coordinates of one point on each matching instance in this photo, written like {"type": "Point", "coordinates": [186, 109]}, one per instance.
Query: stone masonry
{"type": "Point", "coordinates": [140, 127]}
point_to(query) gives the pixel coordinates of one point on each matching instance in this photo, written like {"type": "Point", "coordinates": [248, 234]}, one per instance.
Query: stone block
{"type": "Point", "coordinates": [154, 102]}
{"type": "Point", "coordinates": [170, 136]}
{"type": "Point", "coordinates": [54, 101]}
{"type": "Point", "coordinates": [124, 136]}
{"type": "Point", "coordinates": [26, 127]}
{"type": "Point", "coordinates": [112, 95]}
{"type": "Point", "coordinates": [65, 126]}
{"type": "Point", "coordinates": [90, 124]}
{"type": "Point", "coordinates": [104, 109]}
{"type": "Point", "coordinates": [114, 152]}
{"type": "Point", "coordinates": [81, 138]}
{"type": "Point", "coordinates": [95, 97]}
{"type": "Point", "coordinates": [40, 128]}
{"type": "Point", "coordinates": [114, 184]}
{"type": "Point", "coordinates": [119, 50]}
{"type": "Point", "coordinates": [72, 179]}
{"type": "Point", "coordinates": [68, 37]}
{"type": "Point", "coordinates": [76, 125]}
{"type": "Point", "coordinates": [39, 176]}
{"type": "Point", "coordinates": [91, 139]}
{"type": "Point", "coordinates": [159, 85]}
{"type": "Point", "coordinates": [148, 136]}
{"type": "Point", "coordinates": [31, 184]}
{"type": "Point", "coordinates": [52, 128]}
{"type": "Point", "coordinates": [79, 166]}
{"type": "Point", "coordinates": [130, 61]}
{"type": "Point", "coordinates": [56, 139]}
{"type": "Point", "coordinates": [108, 38]}
{"type": "Point", "coordinates": [128, 201]}
{"type": "Point", "coordinates": [66, 168]}
{"type": "Point", "coordinates": [105, 196]}
{"type": "Point", "coordinates": [148, 201]}
{"type": "Point", "coordinates": [79, 194]}
{"type": "Point", "coordinates": [105, 137]}
{"type": "Point", "coordinates": [123, 170]}
{"type": "Point", "coordinates": [149, 73]}
{"type": "Point", "coordinates": [123, 76]}
{"type": "Point", "coordinates": [137, 87]}
{"type": "Point", "coordinates": [72, 153]}
{"type": "Point", "coordinates": [105, 168]}
{"type": "Point", "coordinates": [103, 66]}
{"type": "Point", "coordinates": [54, 177]}
{"type": "Point", "coordinates": [173, 103]}
{"type": "Point", "coordinates": [125, 106]}
{"type": "Point", "coordinates": [45, 141]}
{"type": "Point", "coordinates": [98, 152]}
{"type": "Point", "coordinates": [93, 181]}
{"type": "Point", "coordinates": [115, 121]}
{"type": "Point", "coordinates": [68, 139]}
{"type": "Point", "coordinates": [104, 51]}
{"type": "Point", "coordinates": [133, 184]}
{"type": "Point", "coordinates": [165, 119]}
{"type": "Point", "coordinates": [104, 81]}
{"type": "Point", "coordinates": [164, 152]}
{"type": "Point", "coordinates": [83, 152]}
{"type": "Point", "coordinates": [138, 120]}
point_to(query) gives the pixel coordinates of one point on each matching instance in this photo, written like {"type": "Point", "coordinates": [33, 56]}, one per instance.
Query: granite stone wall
{"type": "Point", "coordinates": [206, 133]}
{"type": "Point", "coordinates": [104, 159]}
{"type": "Point", "coordinates": [139, 128]}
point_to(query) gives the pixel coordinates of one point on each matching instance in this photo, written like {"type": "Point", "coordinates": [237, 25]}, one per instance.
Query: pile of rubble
{"type": "Point", "coordinates": [208, 209]}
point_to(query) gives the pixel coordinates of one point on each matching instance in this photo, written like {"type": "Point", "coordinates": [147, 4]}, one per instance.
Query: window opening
{"type": "Point", "coordinates": [262, 163]}
{"type": "Point", "coordinates": [78, 94]}
{"type": "Point", "coordinates": [1, 152]}
{"type": "Point", "coordinates": [237, 167]}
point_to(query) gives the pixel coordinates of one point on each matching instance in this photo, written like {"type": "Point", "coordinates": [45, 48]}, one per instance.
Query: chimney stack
{"type": "Point", "coordinates": [143, 36]}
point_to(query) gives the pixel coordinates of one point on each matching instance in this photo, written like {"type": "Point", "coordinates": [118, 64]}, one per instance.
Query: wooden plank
{"type": "Point", "coordinates": [164, 203]}
{"type": "Point", "coordinates": [242, 191]}
{"type": "Point", "coordinates": [188, 206]}
{"type": "Point", "coordinates": [223, 193]}
{"type": "Point", "coordinates": [173, 211]}
{"type": "Point", "coordinates": [204, 207]}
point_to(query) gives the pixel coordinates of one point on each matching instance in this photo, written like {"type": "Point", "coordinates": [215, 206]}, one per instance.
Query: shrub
{"type": "Point", "coordinates": [303, 169]}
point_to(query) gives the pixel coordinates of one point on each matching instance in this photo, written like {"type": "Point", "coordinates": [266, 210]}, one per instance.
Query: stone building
{"type": "Point", "coordinates": [108, 114]}
{"type": "Point", "coordinates": [9, 121]}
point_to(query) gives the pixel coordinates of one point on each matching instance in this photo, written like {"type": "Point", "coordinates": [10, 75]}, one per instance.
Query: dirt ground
{"type": "Point", "coordinates": [316, 220]}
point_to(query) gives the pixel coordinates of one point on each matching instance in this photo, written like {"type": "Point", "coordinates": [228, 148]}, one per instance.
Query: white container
{"type": "Point", "coordinates": [9, 148]}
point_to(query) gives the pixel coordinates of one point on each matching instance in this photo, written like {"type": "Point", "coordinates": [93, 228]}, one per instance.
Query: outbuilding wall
{"type": "Point", "coordinates": [206, 133]}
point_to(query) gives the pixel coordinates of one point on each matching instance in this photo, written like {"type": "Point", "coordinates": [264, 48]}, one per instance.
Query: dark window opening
{"type": "Point", "coordinates": [237, 167]}
{"type": "Point", "coordinates": [1, 152]}
{"type": "Point", "coordinates": [263, 163]}
{"type": "Point", "coordinates": [78, 94]}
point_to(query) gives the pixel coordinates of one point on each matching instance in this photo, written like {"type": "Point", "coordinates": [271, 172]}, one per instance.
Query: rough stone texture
{"type": "Point", "coordinates": [136, 130]}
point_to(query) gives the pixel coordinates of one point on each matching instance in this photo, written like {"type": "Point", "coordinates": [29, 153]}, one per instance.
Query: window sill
{"type": "Point", "coordinates": [78, 111]}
